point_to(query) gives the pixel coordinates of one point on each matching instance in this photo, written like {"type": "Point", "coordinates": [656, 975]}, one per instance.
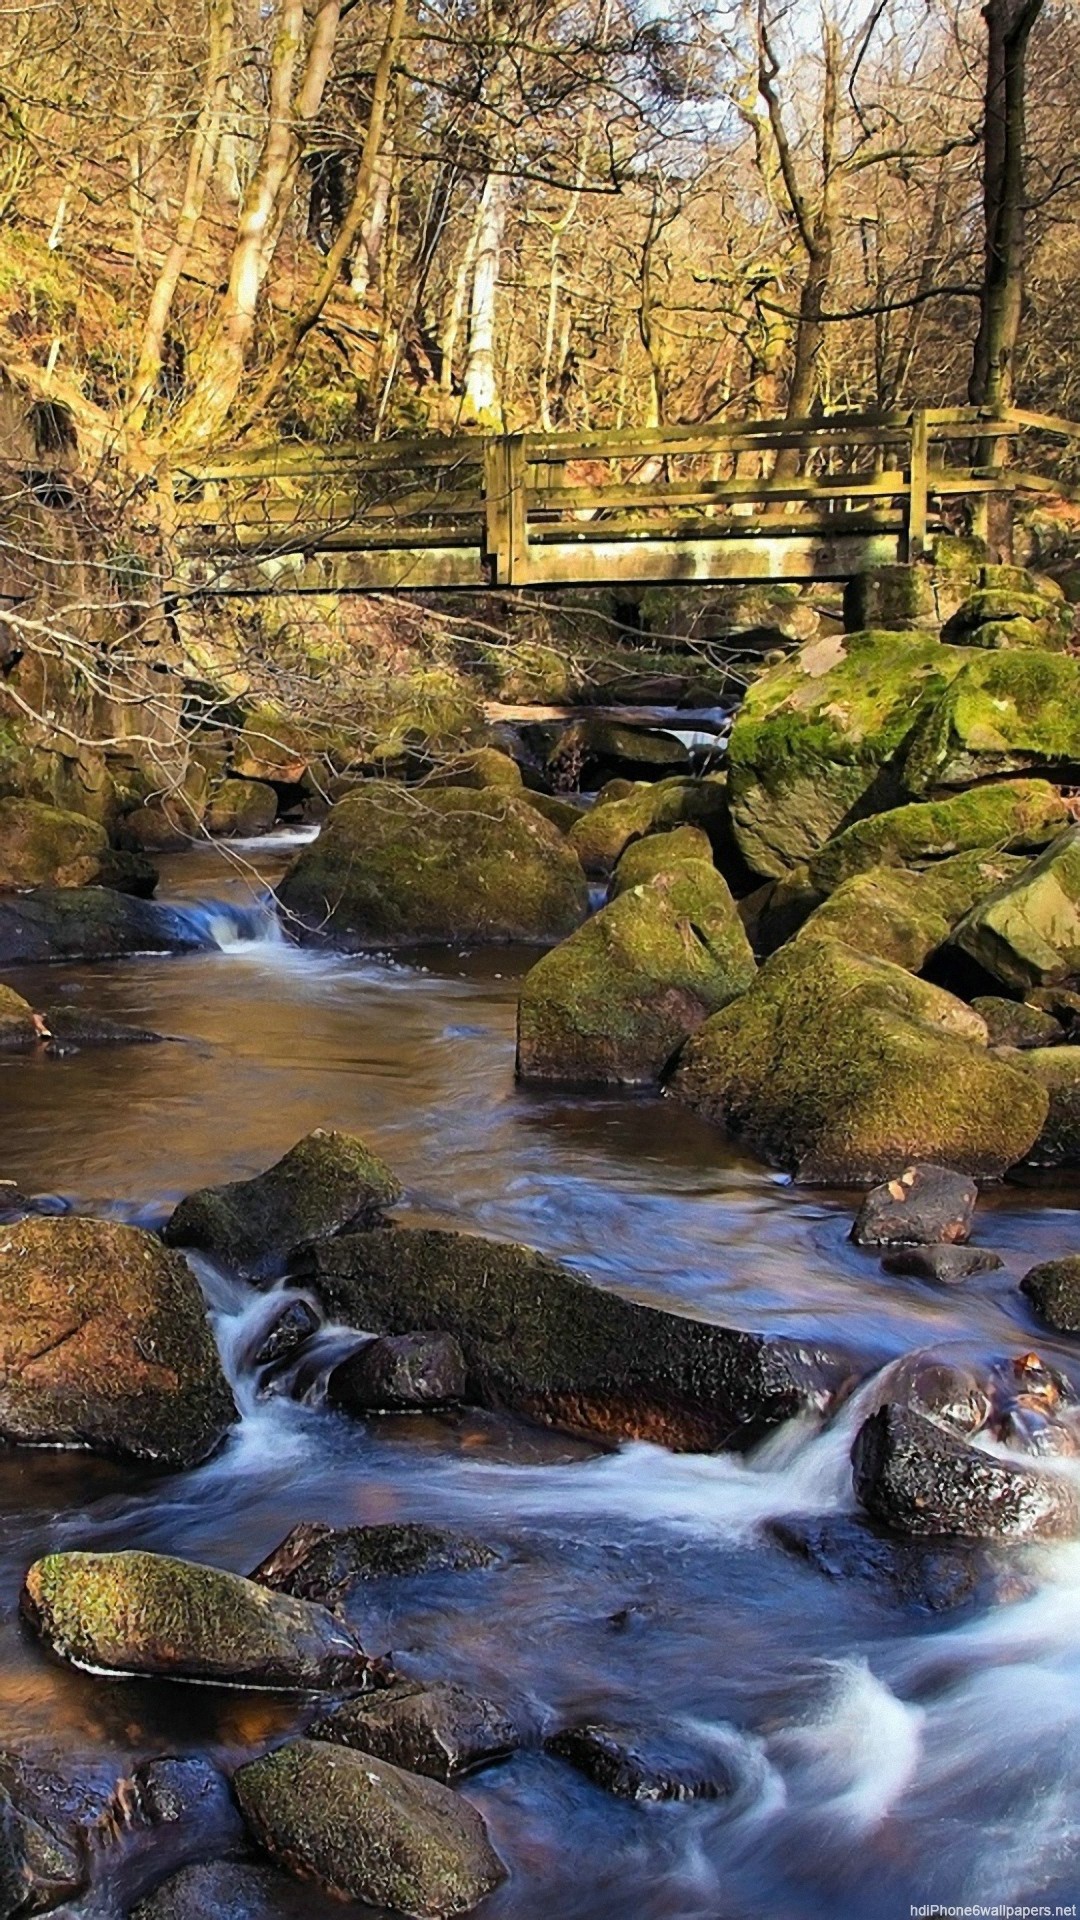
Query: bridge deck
{"type": "Point", "coordinates": [669, 506]}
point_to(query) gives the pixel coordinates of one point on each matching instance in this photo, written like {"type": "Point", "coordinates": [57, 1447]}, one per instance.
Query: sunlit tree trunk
{"type": "Point", "coordinates": [481, 398]}
{"type": "Point", "coordinates": [993, 374]}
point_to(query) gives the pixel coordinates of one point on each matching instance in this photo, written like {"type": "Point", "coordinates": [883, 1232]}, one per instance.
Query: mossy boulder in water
{"type": "Point", "coordinates": [397, 866]}
{"type": "Point", "coordinates": [17, 1028]}
{"type": "Point", "coordinates": [1027, 933]}
{"type": "Point", "coordinates": [611, 1004]}
{"type": "Point", "coordinates": [659, 853]}
{"type": "Point", "coordinates": [326, 1182]}
{"type": "Point", "coordinates": [813, 744]}
{"type": "Point", "coordinates": [365, 1830]}
{"type": "Point", "coordinates": [544, 1342]}
{"type": "Point", "coordinates": [44, 847]}
{"type": "Point", "coordinates": [1005, 713]}
{"type": "Point", "coordinates": [150, 1614]}
{"type": "Point", "coordinates": [602, 835]}
{"type": "Point", "coordinates": [241, 807]}
{"type": "Point", "coordinates": [842, 1067]}
{"type": "Point", "coordinates": [905, 917]}
{"type": "Point", "coordinates": [1013, 816]}
{"type": "Point", "coordinates": [104, 1343]}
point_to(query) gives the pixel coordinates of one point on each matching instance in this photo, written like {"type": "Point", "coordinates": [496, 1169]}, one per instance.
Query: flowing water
{"type": "Point", "coordinates": [884, 1759]}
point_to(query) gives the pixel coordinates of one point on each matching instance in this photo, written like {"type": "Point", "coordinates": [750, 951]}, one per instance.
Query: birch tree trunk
{"type": "Point", "coordinates": [481, 399]}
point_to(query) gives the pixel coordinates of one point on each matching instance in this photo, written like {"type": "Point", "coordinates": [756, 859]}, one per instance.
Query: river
{"type": "Point", "coordinates": [885, 1759]}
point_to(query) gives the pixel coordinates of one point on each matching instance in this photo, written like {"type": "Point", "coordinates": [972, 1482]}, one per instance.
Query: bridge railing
{"type": "Point", "coordinates": [636, 504]}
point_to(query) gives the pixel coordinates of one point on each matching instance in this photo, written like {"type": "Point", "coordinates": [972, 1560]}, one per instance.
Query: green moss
{"type": "Point", "coordinates": [1012, 1023]}
{"type": "Point", "coordinates": [603, 834]}
{"type": "Point", "coordinates": [1048, 620]}
{"type": "Point", "coordinates": [559, 813]}
{"type": "Point", "coordinates": [844, 1068]}
{"type": "Point", "coordinates": [611, 1004]}
{"type": "Point", "coordinates": [1005, 713]}
{"type": "Point", "coordinates": [17, 1029]}
{"type": "Point", "coordinates": [1008, 815]}
{"type": "Point", "coordinates": [659, 853]}
{"type": "Point", "coordinates": [1027, 932]}
{"type": "Point", "coordinates": [43, 846]}
{"type": "Point", "coordinates": [904, 917]}
{"type": "Point", "coordinates": [482, 767]}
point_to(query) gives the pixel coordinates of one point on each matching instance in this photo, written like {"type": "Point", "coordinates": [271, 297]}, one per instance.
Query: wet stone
{"type": "Point", "coordinates": [932, 1576]}
{"type": "Point", "coordinates": [291, 1329]}
{"type": "Point", "coordinates": [635, 1768]}
{"type": "Point", "coordinates": [322, 1563]}
{"type": "Point", "coordinates": [43, 1817]}
{"type": "Point", "coordinates": [226, 1890]}
{"type": "Point", "coordinates": [946, 1264]}
{"type": "Point", "coordinates": [923, 1206]}
{"type": "Point", "coordinates": [441, 1731]}
{"type": "Point", "coordinates": [916, 1478]}
{"type": "Point", "coordinates": [1053, 1289]}
{"type": "Point", "coordinates": [69, 1028]}
{"type": "Point", "coordinates": [397, 1373]}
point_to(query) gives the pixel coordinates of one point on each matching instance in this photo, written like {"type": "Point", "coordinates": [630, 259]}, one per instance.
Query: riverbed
{"type": "Point", "coordinates": [884, 1758]}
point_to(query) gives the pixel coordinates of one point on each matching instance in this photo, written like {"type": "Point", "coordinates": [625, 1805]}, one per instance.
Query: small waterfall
{"type": "Point", "coordinates": [232, 926]}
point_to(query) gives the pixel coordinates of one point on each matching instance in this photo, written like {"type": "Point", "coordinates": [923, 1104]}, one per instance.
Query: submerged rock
{"type": "Point", "coordinates": [946, 1264]}
{"type": "Point", "coordinates": [842, 1067]}
{"type": "Point", "coordinates": [397, 866]}
{"type": "Point", "coordinates": [1053, 1287]}
{"type": "Point", "coordinates": [322, 1563]}
{"type": "Point", "coordinates": [440, 1731]}
{"type": "Point", "coordinates": [91, 923]}
{"type": "Point", "coordinates": [327, 1181]}
{"type": "Point", "coordinates": [617, 1759]}
{"type": "Point", "coordinates": [919, 1206]}
{"type": "Point", "coordinates": [44, 1818]}
{"type": "Point", "coordinates": [72, 1027]}
{"type": "Point", "coordinates": [227, 1890]}
{"type": "Point", "coordinates": [934, 1576]}
{"type": "Point", "coordinates": [1008, 816]}
{"type": "Point", "coordinates": [545, 1342]}
{"type": "Point", "coordinates": [1027, 934]}
{"type": "Point", "coordinates": [104, 1343]}
{"type": "Point", "coordinates": [611, 1004]}
{"type": "Point", "coordinates": [365, 1830]}
{"type": "Point", "coordinates": [397, 1373]}
{"type": "Point", "coordinates": [916, 1478]}
{"type": "Point", "coordinates": [150, 1614]}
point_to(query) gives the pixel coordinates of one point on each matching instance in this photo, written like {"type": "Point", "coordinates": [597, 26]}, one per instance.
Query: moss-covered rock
{"type": "Point", "coordinates": [841, 1068]}
{"type": "Point", "coordinates": [17, 1029]}
{"type": "Point", "coordinates": [397, 866]}
{"type": "Point", "coordinates": [603, 834]}
{"type": "Point", "coordinates": [1012, 1023]}
{"type": "Point", "coordinates": [1053, 1289]}
{"type": "Point", "coordinates": [1010, 816]}
{"type": "Point", "coordinates": [147, 1613]}
{"type": "Point", "coordinates": [272, 746]}
{"type": "Point", "coordinates": [894, 599]}
{"type": "Point", "coordinates": [544, 1342]}
{"type": "Point", "coordinates": [44, 847]}
{"type": "Point", "coordinates": [813, 744]}
{"type": "Point", "coordinates": [365, 1830]}
{"type": "Point", "coordinates": [327, 1181]}
{"type": "Point", "coordinates": [481, 768]}
{"type": "Point", "coordinates": [1011, 615]}
{"type": "Point", "coordinates": [562, 814]}
{"type": "Point", "coordinates": [1057, 1069]}
{"type": "Point", "coordinates": [241, 807]}
{"type": "Point", "coordinates": [659, 853]}
{"type": "Point", "coordinates": [104, 1343]}
{"type": "Point", "coordinates": [91, 923]}
{"type": "Point", "coordinates": [611, 1004]}
{"type": "Point", "coordinates": [1005, 713]}
{"type": "Point", "coordinates": [591, 751]}
{"type": "Point", "coordinates": [904, 917]}
{"type": "Point", "coordinates": [440, 1731]}
{"type": "Point", "coordinates": [322, 1563]}
{"type": "Point", "coordinates": [1027, 933]}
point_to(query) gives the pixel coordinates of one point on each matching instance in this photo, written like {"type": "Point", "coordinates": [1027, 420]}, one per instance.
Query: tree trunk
{"type": "Point", "coordinates": [993, 374]}
{"type": "Point", "coordinates": [480, 400]}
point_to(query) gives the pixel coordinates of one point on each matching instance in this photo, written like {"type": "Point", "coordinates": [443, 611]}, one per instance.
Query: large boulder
{"type": "Point", "coordinates": [1057, 1069]}
{"type": "Point", "coordinates": [842, 1067]}
{"type": "Point", "coordinates": [1027, 933]}
{"type": "Point", "coordinates": [328, 1181]}
{"type": "Point", "coordinates": [602, 835]}
{"type": "Point", "coordinates": [1006, 816]}
{"type": "Point", "coordinates": [45, 847]}
{"type": "Point", "coordinates": [611, 1004]}
{"type": "Point", "coordinates": [916, 1478]}
{"type": "Point", "coordinates": [397, 866]}
{"type": "Point", "coordinates": [905, 917]}
{"type": "Point", "coordinates": [440, 1731]}
{"type": "Point", "coordinates": [104, 1343]}
{"type": "Point", "coordinates": [1009, 610]}
{"type": "Point", "coordinates": [659, 853]}
{"type": "Point", "coordinates": [91, 923]}
{"type": "Point", "coordinates": [1005, 713]}
{"type": "Point", "coordinates": [813, 744]}
{"type": "Point", "coordinates": [241, 807]}
{"type": "Point", "coordinates": [545, 1342]}
{"type": "Point", "coordinates": [481, 768]}
{"type": "Point", "coordinates": [149, 1614]}
{"type": "Point", "coordinates": [365, 1830]}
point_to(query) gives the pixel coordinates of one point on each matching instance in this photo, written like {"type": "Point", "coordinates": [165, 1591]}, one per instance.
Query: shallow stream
{"type": "Point", "coordinates": [885, 1759]}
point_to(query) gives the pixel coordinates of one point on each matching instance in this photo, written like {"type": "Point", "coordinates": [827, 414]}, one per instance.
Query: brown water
{"type": "Point", "coordinates": [885, 1759]}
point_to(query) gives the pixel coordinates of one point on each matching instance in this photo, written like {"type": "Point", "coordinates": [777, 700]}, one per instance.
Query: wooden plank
{"type": "Point", "coordinates": [609, 563]}
{"type": "Point", "coordinates": [282, 461]}
{"type": "Point", "coordinates": [642, 528]}
{"type": "Point", "coordinates": [702, 492]}
{"type": "Point", "coordinates": [419, 571]}
{"type": "Point", "coordinates": [1044, 422]}
{"type": "Point", "coordinates": [916, 504]}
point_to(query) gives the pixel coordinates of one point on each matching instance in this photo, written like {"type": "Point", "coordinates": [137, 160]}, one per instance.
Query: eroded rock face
{"type": "Point", "coordinates": [366, 1830]}
{"type": "Point", "coordinates": [398, 1373]}
{"type": "Point", "coordinates": [914, 1477]}
{"type": "Point", "coordinates": [543, 1341]}
{"type": "Point", "coordinates": [619, 1760]}
{"type": "Point", "coordinates": [326, 1182]}
{"type": "Point", "coordinates": [150, 1614]}
{"type": "Point", "coordinates": [397, 866]}
{"type": "Point", "coordinates": [104, 1343]}
{"type": "Point", "coordinates": [322, 1563]}
{"type": "Point", "coordinates": [612, 1004]}
{"type": "Point", "coordinates": [920, 1205]}
{"type": "Point", "coordinates": [843, 1067]}
{"type": "Point", "coordinates": [1027, 934]}
{"type": "Point", "coordinates": [440, 1731]}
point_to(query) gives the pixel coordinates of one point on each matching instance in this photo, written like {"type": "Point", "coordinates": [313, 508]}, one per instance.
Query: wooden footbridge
{"type": "Point", "coordinates": [793, 500]}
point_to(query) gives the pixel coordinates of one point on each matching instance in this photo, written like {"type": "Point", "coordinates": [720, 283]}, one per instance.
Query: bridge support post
{"type": "Point", "coordinates": [506, 510]}
{"type": "Point", "coordinates": [917, 488]}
